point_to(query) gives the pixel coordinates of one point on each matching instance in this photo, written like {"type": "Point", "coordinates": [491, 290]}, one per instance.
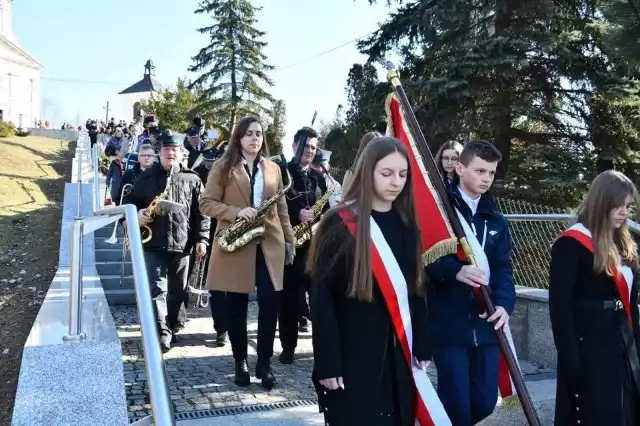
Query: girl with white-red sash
{"type": "Point", "coordinates": [364, 357]}
{"type": "Point", "coordinates": [593, 288]}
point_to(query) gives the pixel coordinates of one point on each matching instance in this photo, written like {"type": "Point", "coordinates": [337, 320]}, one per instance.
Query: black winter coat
{"type": "Point", "coordinates": [176, 232]}
{"type": "Point", "coordinates": [355, 340]}
{"type": "Point", "coordinates": [592, 361]}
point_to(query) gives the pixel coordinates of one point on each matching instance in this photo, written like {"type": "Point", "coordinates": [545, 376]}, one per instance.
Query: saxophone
{"type": "Point", "coordinates": [153, 209]}
{"type": "Point", "coordinates": [241, 232]}
{"type": "Point", "coordinates": [302, 232]}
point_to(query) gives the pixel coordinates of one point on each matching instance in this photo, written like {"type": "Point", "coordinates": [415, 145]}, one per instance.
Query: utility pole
{"type": "Point", "coordinates": [107, 109]}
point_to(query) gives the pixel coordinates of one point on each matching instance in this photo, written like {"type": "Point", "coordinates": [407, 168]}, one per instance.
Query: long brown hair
{"type": "Point", "coordinates": [608, 191]}
{"type": "Point", "coordinates": [233, 154]}
{"type": "Point", "coordinates": [454, 145]}
{"type": "Point", "coordinates": [360, 197]}
{"type": "Point", "coordinates": [364, 141]}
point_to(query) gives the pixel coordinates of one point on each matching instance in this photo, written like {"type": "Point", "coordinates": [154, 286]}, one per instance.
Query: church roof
{"type": "Point", "coordinates": [147, 84]}
{"type": "Point", "coordinates": [27, 59]}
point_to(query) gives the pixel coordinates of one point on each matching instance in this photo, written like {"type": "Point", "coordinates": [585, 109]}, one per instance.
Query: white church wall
{"type": "Point", "coordinates": [126, 103]}
{"type": "Point", "coordinates": [19, 93]}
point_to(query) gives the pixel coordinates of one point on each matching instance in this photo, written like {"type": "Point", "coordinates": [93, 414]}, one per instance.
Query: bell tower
{"type": "Point", "coordinates": [5, 18]}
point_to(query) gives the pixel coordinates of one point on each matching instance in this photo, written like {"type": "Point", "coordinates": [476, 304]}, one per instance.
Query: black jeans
{"type": "Point", "coordinates": [236, 306]}
{"type": "Point", "coordinates": [167, 273]}
{"type": "Point", "coordinates": [293, 300]}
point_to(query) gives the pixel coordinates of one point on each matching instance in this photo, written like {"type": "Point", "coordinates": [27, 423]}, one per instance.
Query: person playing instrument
{"type": "Point", "coordinates": [174, 235]}
{"type": "Point", "coordinates": [465, 347]}
{"type": "Point", "coordinates": [237, 185]}
{"type": "Point", "coordinates": [363, 376]}
{"type": "Point", "coordinates": [593, 290]}
{"type": "Point", "coordinates": [300, 201]}
{"type": "Point", "coordinates": [146, 157]}
{"type": "Point", "coordinates": [348, 175]}
{"type": "Point", "coordinates": [195, 140]}
{"type": "Point", "coordinates": [446, 158]}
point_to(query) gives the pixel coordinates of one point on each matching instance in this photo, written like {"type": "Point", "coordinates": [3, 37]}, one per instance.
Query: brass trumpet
{"type": "Point", "coordinates": [126, 189]}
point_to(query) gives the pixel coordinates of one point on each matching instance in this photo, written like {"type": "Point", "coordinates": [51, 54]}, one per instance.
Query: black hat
{"type": "Point", "coordinates": [322, 156]}
{"type": "Point", "coordinates": [151, 118]}
{"type": "Point", "coordinates": [193, 131]}
{"type": "Point", "coordinates": [168, 138]}
{"type": "Point", "coordinates": [210, 154]}
{"type": "Point", "coordinates": [198, 122]}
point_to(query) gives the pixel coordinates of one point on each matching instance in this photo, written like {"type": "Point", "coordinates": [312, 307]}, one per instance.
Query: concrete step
{"type": "Point", "coordinates": [111, 254]}
{"type": "Point", "coordinates": [112, 282]}
{"type": "Point", "coordinates": [543, 394]}
{"type": "Point", "coordinates": [101, 243]}
{"type": "Point", "coordinates": [120, 297]}
{"type": "Point", "coordinates": [107, 231]}
{"type": "Point", "coordinates": [114, 268]}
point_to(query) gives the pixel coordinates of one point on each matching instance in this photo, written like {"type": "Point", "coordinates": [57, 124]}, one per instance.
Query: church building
{"type": "Point", "coordinates": [130, 98]}
{"type": "Point", "coordinates": [19, 76]}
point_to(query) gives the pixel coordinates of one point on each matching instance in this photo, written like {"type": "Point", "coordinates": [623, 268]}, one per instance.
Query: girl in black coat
{"type": "Point", "coordinates": [594, 311]}
{"type": "Point", "coordinates": [361, 374]}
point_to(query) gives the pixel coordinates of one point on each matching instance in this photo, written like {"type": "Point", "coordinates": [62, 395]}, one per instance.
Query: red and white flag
{"type": "Point", "coordinates": [438, 238]}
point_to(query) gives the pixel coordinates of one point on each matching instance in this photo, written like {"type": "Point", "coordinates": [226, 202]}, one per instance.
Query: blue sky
{"type": "Point", "coordinates": [93, 49]}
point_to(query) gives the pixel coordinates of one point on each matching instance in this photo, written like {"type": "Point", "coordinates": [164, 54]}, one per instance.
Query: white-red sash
{"type": "Point", "coordinates": [505, 382]}
{"type": "Point", "coordinates": [582, 235]}
{"type": "Point", "coordinates": [392, 284]}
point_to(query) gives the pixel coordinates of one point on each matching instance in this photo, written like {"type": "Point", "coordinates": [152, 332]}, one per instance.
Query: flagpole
{"type": "Point", "coordinates": [430, 165]}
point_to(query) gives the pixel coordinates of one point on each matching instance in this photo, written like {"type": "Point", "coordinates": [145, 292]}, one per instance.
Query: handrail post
{"type": "Point", "coordinates": [79, 184]}
{"type": "Point", "coordinates": [154, 364]}
{"type": "Point", "coordinates": [96, 178]}
{"type": "Point", "coordinates": [75, 282]}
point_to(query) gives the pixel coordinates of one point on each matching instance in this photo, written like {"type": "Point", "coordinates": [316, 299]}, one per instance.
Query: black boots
{"type": "Point", "coordinates": [263, 372]}
{"type": "Point", "coordinates": [286, 356]}
{"type": "Point", "coordinates": [242, 373]}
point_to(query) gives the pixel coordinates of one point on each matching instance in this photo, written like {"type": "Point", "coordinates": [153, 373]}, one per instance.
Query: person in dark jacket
{"type": "Point", "coordinates": [465, 346]}
{"type": "Point", "coordinates": [174, 234]}
{"type": "Point", "coordinates": [196, 140]}
{"type": "Point", "coordinates": [593, 290]}
{"type": "Point", "coordinates": [146, 157]}
{"type": "Point", "coordinates": [114, 178]}
{"type": "Point", "coordinates": [361, 372]}
{"type": "Point", "coordinates": [446, 159]}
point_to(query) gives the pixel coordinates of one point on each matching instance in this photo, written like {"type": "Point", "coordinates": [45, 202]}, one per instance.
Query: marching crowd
{"type": "Point", "coordinates": [346, 260]}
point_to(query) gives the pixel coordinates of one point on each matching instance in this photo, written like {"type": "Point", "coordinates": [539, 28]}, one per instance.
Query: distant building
{"type": "Point", "coordinates": [19, 76]}
{"type": "Point", "coordinates": [130, 98]}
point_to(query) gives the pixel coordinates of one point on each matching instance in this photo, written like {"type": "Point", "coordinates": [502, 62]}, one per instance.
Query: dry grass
{"type": "Point", "coordinates": [33, 171]}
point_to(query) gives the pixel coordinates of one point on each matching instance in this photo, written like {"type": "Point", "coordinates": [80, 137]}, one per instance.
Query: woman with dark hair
{"type": "Point", "coordinates": [237, 184]}
{"type": "Point", "coordinates": [446, 159]}
{"type": "Point", "coordinates": [593, 289]}
{"type": "Point", "coordinates": [365, 268]}
{"type": "Point", "coordinates": [348, 175]}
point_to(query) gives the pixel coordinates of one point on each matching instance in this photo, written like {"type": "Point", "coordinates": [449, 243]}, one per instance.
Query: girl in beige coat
{"type": "Point", "coordinates": [237, 184]}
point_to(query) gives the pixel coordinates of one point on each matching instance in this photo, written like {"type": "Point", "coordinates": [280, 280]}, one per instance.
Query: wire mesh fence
{"type": "Point", "coordinates": [532, 241]}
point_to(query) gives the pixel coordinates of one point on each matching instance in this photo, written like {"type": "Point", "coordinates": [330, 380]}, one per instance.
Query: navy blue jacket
{"type": "Point", "coordinates": [453, 308]}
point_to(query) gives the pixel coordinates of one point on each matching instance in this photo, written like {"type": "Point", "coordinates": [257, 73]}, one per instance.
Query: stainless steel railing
{"type": "Point", "coordinates": [161, 406]}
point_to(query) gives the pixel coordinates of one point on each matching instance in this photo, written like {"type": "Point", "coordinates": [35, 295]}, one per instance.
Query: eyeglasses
{"type": "Point", "coordinates": [451, 159]}
{"type": "Point", "coordinates": [146, 156]}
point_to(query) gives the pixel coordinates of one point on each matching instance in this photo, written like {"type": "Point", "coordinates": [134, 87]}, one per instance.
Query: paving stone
{"type": "Point", "coordinates": [200, 375]}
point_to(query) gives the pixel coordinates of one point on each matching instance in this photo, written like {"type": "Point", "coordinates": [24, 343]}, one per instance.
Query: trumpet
{"type": "Point", "coordinates": [197, 282]}
{"type": "Point", "coordinates": [126, 189]}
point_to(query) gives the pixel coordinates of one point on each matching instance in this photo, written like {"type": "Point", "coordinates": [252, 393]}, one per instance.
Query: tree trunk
{"type": "Point", "coordinates": [234, 88]}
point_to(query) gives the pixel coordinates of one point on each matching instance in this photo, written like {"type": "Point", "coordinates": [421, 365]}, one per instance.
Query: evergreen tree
{"type": "Point", "coordinates": [275, 131]}
{"type": "Point", "coordinates": [233, 72]}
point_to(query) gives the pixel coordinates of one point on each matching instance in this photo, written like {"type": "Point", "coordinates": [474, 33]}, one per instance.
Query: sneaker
{"type": "Point", "coordinates": [222, 339]}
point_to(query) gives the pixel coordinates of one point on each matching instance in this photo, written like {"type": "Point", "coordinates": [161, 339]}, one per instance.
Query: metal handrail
{"type": "Point", "coordinates": [161, 406]}
{"type": "Point", "coordinates": [563, 217]}
{"type": "Point", "coordinates": [154, 364]}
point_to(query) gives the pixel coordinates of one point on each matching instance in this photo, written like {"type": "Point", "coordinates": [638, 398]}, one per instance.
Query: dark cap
{"type": "Point", "coordinates": [168, 138]}
{"type": "Point", "coordinates": [322, 156]}
{"type": "Point", "coordinates": [193, 131]}
{"type": "Point", "coordinates": [151, 118]}
{"type": "Point", "coordinates": [198, 122]}
{"type": "Point", "coordinates": [210, 154]}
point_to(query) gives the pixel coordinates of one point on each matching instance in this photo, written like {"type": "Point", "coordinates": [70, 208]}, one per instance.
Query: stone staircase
{"type": "Point", "coordinates": [109, 265]}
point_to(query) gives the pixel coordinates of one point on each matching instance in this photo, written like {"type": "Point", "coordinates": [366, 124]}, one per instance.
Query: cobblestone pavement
{"type": "Point", "coordinates": [201, 375]}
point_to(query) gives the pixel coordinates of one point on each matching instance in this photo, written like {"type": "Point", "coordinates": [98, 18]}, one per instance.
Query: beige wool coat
{"type": "Point", "coordinates": [235, 272]}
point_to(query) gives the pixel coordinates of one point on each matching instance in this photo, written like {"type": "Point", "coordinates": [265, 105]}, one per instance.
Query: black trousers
{"type": "Point", "coordinates": [293, 300]}
{"type": "Point", "coordinates": [236, 307]}
{"type": "Point", "coordinates": [218, 305]}
{"type": "Point", "coordinates": [167, 273]}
